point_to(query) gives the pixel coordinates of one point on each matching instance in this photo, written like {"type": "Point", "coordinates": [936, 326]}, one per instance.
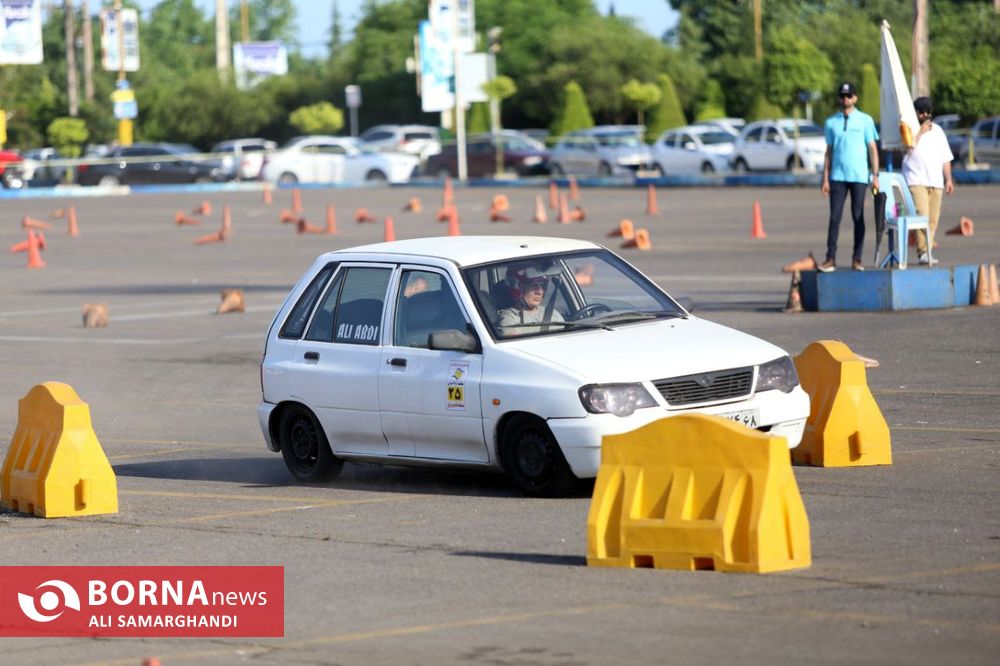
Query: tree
{"type": "Point", "coordinates": [67, 135]}
{"type": "Point", "coordinates": [764, 110]}
{"type": "Point", "coordinates": [641, 96]}
{"type": "Point", "coordinates": [792, 64]}
{"type": "Point", "coordinates": [668, 113]}
{"type": "Point", "coordinates": [499, 89]}
{"type": "Point", "coordinates": [321, 118]}
{"type": "Point", "coordinates": [479, 118]}
{"type": "Point", "coordinates": [712, 104]}
{"type": "Point", "coordinates": [575, 112]}
{"type": "Point", "coordinates": [870, 97]}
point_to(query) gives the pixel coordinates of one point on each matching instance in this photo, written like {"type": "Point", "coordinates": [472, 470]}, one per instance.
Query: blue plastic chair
{"type": "Point", "coordinates": [900, 219]}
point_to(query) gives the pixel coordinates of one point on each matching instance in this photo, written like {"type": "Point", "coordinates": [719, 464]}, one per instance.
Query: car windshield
{"type": "Point", "coordinates": [561, 293]}
{"type": "Point", "coordinates": [714, 138]}
{"type": "Point", "coordinates": [615, 139]}
{"type": "Point", "coordinates": [805, 129]}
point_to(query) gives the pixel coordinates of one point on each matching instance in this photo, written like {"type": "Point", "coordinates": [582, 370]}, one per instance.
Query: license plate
{"type": "Point", "coordinates": [748, 417]}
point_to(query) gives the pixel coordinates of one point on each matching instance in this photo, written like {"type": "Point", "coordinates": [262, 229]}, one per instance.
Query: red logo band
{"type": "Point", "coordinates": [142, 601]}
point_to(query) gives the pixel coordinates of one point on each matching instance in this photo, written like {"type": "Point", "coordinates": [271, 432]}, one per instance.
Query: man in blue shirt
{"type": "Point", "coordinates": [851, 158]}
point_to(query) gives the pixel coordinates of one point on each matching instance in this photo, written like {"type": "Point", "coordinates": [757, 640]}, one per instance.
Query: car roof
{"type": "Point", "coordinates": [469, 250]}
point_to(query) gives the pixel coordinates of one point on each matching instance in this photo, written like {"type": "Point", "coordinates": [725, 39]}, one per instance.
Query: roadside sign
{"type": "Point", "coordinates": [20, 32]}
{"type": "Point", "coordinates": [110, 58]}
{"type": "Point", "coordinates": [125, 106]}
{"type": "Point", "coordinates": [353, 96]}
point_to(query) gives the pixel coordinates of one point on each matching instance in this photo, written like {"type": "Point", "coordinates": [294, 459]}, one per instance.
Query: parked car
{"type": "Point", "coordinates": [772, 144]}
{"type": "Point", "coordinates": [608, 150]}
{"type": "Point", "coordinates": [521, 156]}
{"type": "Point", "coordinates": [38, 167]}
{"type": "Point", "coordinates": [732, 125]}
{"type": "Point", "coordinates": [985, 136]}
{"type": "Point", "coordinates": [244, 157]}
{"type": "Point", "coordinates": [693, 149]}
{"type": "Point", "coordinates": [332, 159]}
{"type": "Point", "coordinates": [420, 140]}
{"type": "Point", "coordinates": [150, 164]}
{"type": "Point", "coordinates": [10, 173]}
{"type": "Point", "coordinates": [398, 353]}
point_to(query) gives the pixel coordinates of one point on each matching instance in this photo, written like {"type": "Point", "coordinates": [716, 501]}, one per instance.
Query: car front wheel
{"type": "Point", "coordinates": [305, 448]}
{"type": "Point", "coordinates": [108, 181]}
{"type": "Point", "coordinates": [287, 178]}
{"type": "Point", "coordinates": [533, 459]}
{"type": "Point", "coordinates": [375, 176]}
{"type": "Point", "coordinates": [741, 166]}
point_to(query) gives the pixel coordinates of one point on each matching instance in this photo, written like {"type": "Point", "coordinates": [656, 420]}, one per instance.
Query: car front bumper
{"type": "Point", "coordinates": [781, 414]}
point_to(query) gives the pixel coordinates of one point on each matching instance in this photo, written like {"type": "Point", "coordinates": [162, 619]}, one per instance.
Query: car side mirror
{"type": "Point", "coordinates": [454, 340]}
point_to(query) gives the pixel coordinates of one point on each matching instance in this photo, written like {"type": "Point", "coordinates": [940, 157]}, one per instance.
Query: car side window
{"type": "Point", "coordinates": [295, 324]}
{"type": "Point", "coordinates": [753, 136]}
{"type": "Point", "coordinates": [772, 135]}
{"type": "Point", "coordinates": [351, 311]}
{"type": "Point", "coordinates": [425, 304]}
{"type": "Point", "coordinates": [669, 140]}
{"type": "Point", "coordinates": [331, 149]}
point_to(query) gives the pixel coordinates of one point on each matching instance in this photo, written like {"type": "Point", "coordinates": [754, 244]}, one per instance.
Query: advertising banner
{"type": "Point", "coordinates": [110, 58]}
{"type": "Point", "coordinates": [255, 61]}
{"type": "Point", "coordinates": [20, 32]}
{"type": "Point", "coordinates": [451, 16]}
{"type": "Point", "coordinates": [142, 601]}
{"type": "Point", "coordinates": [437, 69]}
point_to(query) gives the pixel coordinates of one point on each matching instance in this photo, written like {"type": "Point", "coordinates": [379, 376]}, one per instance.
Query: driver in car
{"type": "Point", "coordinates": [528, 293]}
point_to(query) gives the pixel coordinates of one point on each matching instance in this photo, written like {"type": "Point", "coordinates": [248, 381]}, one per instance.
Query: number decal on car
{"type": "Point", "coordinates": [456, 385]}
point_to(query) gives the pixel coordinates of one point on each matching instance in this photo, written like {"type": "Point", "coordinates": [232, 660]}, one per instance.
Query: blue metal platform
{"type": "Point", "coordinates": [915, 288]}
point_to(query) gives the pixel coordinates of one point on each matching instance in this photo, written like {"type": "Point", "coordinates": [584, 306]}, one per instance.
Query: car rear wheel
{"type": "Point", "coordinates": [533, 459]}
{"type": "Point", "coordinates": [305, 448]}
{"type": "Point", "coordinates": [557, 170]}
{"type": "Point", "coordinates": [108, 181]}
{"type": "Point", "coordinates": [604, 169]}
{"type": "Point", "coordinates": [707, 168]}
{"type": "Point", "coordinates": [742, 166]}
{"type": "Point", "coordinates": [375, 176]}
{"type": "Point", "coordinates": [794, 162]}
{"type": "Point", "coordinates": [288, 178]}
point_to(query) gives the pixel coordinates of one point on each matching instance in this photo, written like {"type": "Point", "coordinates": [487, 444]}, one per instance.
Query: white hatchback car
{"type": "Point", "coordinates": [334, 160]}
{"type": "Point", "coordinates": [512, 353]}
{"type": "Point", "coordinates": [773, 144]}
{"type": "Point", "coordinates": [693, 149]}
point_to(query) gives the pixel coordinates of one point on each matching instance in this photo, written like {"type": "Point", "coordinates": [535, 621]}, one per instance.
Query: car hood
{"type": "Point", "coordinates": [650, 351]}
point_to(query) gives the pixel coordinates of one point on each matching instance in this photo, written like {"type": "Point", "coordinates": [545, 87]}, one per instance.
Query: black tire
{"type": "Point", "coordinates": [603, 169]}
{"type": "Point", "coordinates": [707, 168]}
{"type": "Point", "coordinates": [305, 448]}
{"type": "Point", "coordinates": [109, 181]}
{"type": "Point", "coordinates": [533, 459]}
{"type": "Point", "coordinates": [375, 176]}
{"type": "Point", "coordinates": [741, 166]}
{"type": "Point", "coordinates": [557, 170]}
{"type": "Point", "coordinates": [794, 162]}
{"type": "Point", "coordinates": [288, 178]}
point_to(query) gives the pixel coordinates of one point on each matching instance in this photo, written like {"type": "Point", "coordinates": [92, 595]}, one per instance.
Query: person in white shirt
{"type": "Point", "coordinates": [927, 170]}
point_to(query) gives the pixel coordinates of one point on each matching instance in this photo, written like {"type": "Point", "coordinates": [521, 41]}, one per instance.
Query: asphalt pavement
{"type": "Point", "coordinates": [409, 566]}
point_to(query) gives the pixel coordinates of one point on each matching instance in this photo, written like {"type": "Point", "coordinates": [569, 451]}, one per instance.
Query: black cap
{"type": "Point", "coordinates": [846, 88]}
{"type": "Point", "coordinates": [923, 105]}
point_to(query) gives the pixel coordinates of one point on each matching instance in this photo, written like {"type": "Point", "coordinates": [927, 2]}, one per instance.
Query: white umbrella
{"type": "Point", "coordinates": [899, 119]}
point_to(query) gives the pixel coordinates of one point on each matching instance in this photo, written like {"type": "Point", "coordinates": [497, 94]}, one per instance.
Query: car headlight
{"type": "Point", "coordinates": [778, 374]}
{"type": "Point", "coordinates": [617, 399]}
{"type": "Point", "coordinates": [531, 160]}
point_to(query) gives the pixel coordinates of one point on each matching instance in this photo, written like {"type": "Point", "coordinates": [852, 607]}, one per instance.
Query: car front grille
{"type": "Point", "coordinates": [706, 386]}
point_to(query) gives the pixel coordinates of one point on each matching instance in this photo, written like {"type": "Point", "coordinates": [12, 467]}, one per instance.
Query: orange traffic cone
{"type": "Point", "coordinates": [994, 286]}
{"type": "Point", "coordinates": [652, 207]}
{"type": "Point", "coordinates": [23, 245]}
{"type": "Point", "coordinates": [34, 256]}
{"type": "Point", "coordinates": [227, 219]}
{"type": "Point", "coordinates": [794, 303]}
{"type": "Point", "coordinates": [447, 194]}
{"type": "Point", "coordinates": [72, 227]}
{"type": "Point", "coordinates": [216, 237]}
{"type": "Point", "coordinates": [288, 217]}
{"type": "Point", "coordinates": [574, 191]}
{"type": "Point", "coordinates": [232, 301]}
{"type": "Point", "coordinates": [303, 227]}
{"type": "Point", "coordinates": [444, 213]}
{"type": "Point", "coordinates": [553, 195]}
{"type": "Point", "coordinates": [362, 215]}
{"type": "Point", "coordinates": [29, 222]}
{"type": "Point", "coordinates": [805, 264]}
{"type": "Point", "coordinates": [540, 216]}
{"type": "Point", "coordinates": [181, 219]}
{"type": "Point", "coordinates": [268, 199]}
{"type": "Point", "coordinates": [758, 226]}
{"type": "Point", "coordinates": [390, 230]}
{"type": "Point", "coordinates": [640, 241]}
{"type": "Point", "coordinates": [497, 216]}
{"type": "Point", "coordinates": [204, 209]}
{"type": "Point", "coordinates": [331, 219]}
{"type": "Point", "coordinates": [296, 200]}
{"type": "Point", "coordinates": [453, 228]}
{"type": "Point", "coordinates": [625, 230]}
{"type": "Point", "coordinates": [965, 227]}
{"type": "Point", "coordinates": [59, 213]}
{"type": "Point", "coordinates": [578, 214]}
{"type": "Point", "coordinates": [564, 217]}
{"type": "Point", "coordinates": [984, 295]}
{"type": "Point", "coordinates": [95, 315]}
{"type": "Point", "coordinates": [501, 203]}
{"type": "Point", "coordinates": [413, 205]}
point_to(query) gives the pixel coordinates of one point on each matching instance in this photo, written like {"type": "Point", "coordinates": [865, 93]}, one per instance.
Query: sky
{"type": "Point", "coordinates": [314, 17]}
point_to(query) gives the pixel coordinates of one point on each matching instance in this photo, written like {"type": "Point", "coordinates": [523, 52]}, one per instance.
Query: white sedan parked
{"type": "Point", "coordinates": [693, 149]}
{"type": "Point", "coordinates": [334, 160]}
{"type": "Point", "coordinates": [773, 144]}
{"type": "Point", "coordinates": [512, 353]}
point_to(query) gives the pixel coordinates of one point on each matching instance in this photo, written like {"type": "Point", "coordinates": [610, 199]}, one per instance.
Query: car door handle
{"type": "Point", "coordinates": [397, 362]}
{"type": "Point", "coordinates": [312, 356]}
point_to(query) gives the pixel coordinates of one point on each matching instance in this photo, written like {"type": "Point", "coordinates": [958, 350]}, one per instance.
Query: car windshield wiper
{"type": "Point", "coordinates": [564, 324]}
{"type": "Point", "coordinates": [624, 317]}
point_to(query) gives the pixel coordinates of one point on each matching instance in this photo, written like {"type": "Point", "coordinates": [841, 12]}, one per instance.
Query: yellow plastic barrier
{"type": "Point", "coordinates": [697, 492]}
{"type": "Point", "coordinates": [55, 466]}
{"type": "Point", "coordinates": [845, 427]}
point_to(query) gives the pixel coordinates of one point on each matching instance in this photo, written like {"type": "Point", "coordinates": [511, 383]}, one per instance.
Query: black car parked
{"type": "Point", "coordinates": [151, 164]}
